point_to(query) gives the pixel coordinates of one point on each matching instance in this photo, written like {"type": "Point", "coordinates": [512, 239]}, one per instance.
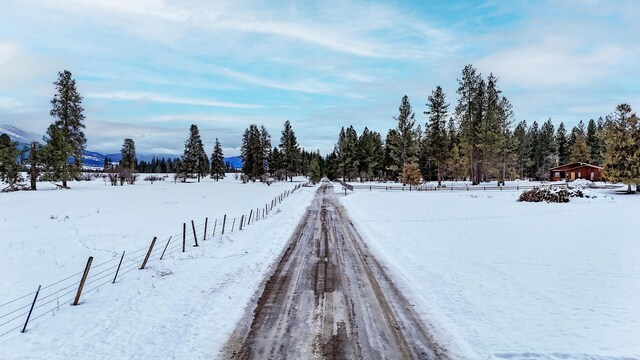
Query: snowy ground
{"type": "Point", "coordinates": [506, 280]}
{"type": "Point", "coordinates": [183, 306]}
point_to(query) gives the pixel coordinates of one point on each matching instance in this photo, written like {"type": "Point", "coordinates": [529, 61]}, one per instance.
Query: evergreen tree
{"type": "Point", "coordinates": [315, 174]}
{"type": "Point", "coordinates": [217, 162]}
{"type": "Point", "coordinates": [404, 146]}
{"type": "Point", "coordinates": [9, 167]}
{"type": "Point", "coordinates": [580, 151]}
{"type": "Point", "coordinates": [348, 154]}
{"type": "Point", "coordinates": [128, 155]}
{"type": "Point", "coordinates": [194, 159]}
{"type": "Point", "coordinates": [455, 165]}
{"type": "Point", "coordinates": [265, 142]}
{"type": "Point", "coordinates": [436, 134]}
{"type": "Point", "coordinates": [562, 143]}
{"type": "Point", "coordinates": [54, 156]}
{"type": "Point", "coordinates": [35, 164]}
{"type": "Point", "coordinates": [522, 146]}
{"type": "Point", "coordinates": [108, 164]}
{"type": "Point", "coordinates": [622, 138]}
{"type": "Point", "coordinates": [253, 153]}
{"type": "Point", "coordinates": [411, 174]}
{"type": "Point", "coordinates": [66, 108]}
{"type": "Point", "coordinates": [370, 156]}
{"type": "Point", "coordinates": [470, 112]}
{"type": "Point", "coordinates": [289, 151]}
{"type": "Point", "coordinates": [546, 150]}
{"type": "Point", "coordinates": [594, 143]}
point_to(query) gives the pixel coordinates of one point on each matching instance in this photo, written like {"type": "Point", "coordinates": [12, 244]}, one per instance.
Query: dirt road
{"type": "Point", "coordinates": [329, 298]}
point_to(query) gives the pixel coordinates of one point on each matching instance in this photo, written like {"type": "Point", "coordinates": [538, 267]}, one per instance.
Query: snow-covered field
{"type": "Point", "coordinates": [500, 279]}
{"type": "Point", "coordinates": [183, 306]}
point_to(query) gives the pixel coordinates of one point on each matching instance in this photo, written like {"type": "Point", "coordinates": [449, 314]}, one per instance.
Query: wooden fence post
{"type": "Point", "coordinates": [146, 258]}
{"type": "Point", "coordinates": [195, 237]}
{"type": "Point", "coordinates": [215, 223]}
{"type": "Point", "coordinates": [206, 222]}
{"type": "Point", "coordinates": [250, 215]}
{"type": "Point", "coordinates": [24, 328]}
{"type": "Point", "coordinates": [233, 225]}
{"type": "Point", "coordinates": [165, 247]}
{"type": "Point", "coordinates": [84, 278]}
{"type": "Point", "coordinates": [224, 222]}
{"type": "Point", "coordinates": [241, 221]}
{"type": "Point", "coordinates": [184, 237]}
{"type": "Point", "coordinates": [118, 269]}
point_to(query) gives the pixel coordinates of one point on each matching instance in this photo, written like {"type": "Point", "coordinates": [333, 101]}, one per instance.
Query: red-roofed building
{"type": "Point", "coordinates": [576, 170]}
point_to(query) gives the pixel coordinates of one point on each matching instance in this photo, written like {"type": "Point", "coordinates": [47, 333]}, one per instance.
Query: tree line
{"type": "Point", "coordinates": [476, 141]}
{"type": "Point", "coordinates": [261, 161]}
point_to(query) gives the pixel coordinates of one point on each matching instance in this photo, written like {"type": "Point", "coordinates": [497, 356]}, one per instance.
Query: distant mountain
{"type": "Point", "coordinates": [18, 135]}
{"type": "Point", "coordinates": [235, 161]}
{"type": "Point", "coordinates": [91, 158]}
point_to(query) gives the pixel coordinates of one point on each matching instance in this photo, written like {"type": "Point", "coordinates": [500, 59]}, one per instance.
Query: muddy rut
{"type": "Point", "coordinates": [328, 298]}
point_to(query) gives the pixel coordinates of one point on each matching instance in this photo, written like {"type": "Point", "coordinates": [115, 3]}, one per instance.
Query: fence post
{"type": "Point", "coordinates": [184, 237]}
{"type": "Point", "coordinates": [146, 258]}
{"type": "Point", "coordinates": [206, 222]}
{"type": "Point", "coordinates": [165, 247]}
{"type": "Point", "coordinates": [118, 269]}
{"type": "Point", "coordinates": [195, 237]}
{"type": "Point", "coordinates": [31, 310]}
{"type": "Point", "coordinates": [215, 223]}
{"type": "Point", "coordinates": [241, 221]}
{"type": "Point", "coordinates": [250, 215]}
{"type": "Point", "coordinates": [84, 278]}
{"type": "Point", "coordinates": [233, 225]}
{"type": "Point", "coordinates": [224, 222]}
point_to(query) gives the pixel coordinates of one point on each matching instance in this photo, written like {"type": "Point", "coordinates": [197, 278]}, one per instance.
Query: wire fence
{"type": "Point", "coordinates": [55, 296]}
{"type": "Point", "coordinates": [427, 187]}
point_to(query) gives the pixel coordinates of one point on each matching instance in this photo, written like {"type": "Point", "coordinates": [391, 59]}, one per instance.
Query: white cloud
{"type": "Point", "coordinates": [164, 99]}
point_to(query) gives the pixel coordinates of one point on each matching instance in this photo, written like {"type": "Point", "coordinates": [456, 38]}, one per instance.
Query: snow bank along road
{"type": "Point", "coordinates": [328, 297]}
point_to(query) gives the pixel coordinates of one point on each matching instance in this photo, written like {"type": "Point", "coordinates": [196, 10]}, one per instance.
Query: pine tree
{"type": "Point", "coordinates": [470, 111]}
{"type": "Point", "coordinates": [404, 146]}
{"type": "Point", "coordinates": [622, 138]}
{"type": "Point", "coordinates": [580, 151]}
{"type": "Point", "coordinates": [455, 165]}
{"type": "Point", "coordinates": [289, 150]}
{"type": "Point", "coordinates": [411, 174]}
{"type": "Point", "coordinates": [435, 145]}
{"type": "Point", "coordinates": [562, 143]}
{"type": "Point", "coordinates": [9, 167]}
{"type": "Point", "coordinates": [594, 143]}
{"type": "Point", "coordinates": [265, 142]}
{"type": "Point", "coordinates": [546, 151]}
{"type": "Point", "coordinates": [68, 113]}
{"type": "Point", "coordinates": [128, 155]}
{"type": "Point", "coordinates": [54, 156]}
{"type": "Point", "coordinates": [521, 141]}
{"type": "Point", "coordinates": [35, 164]}
{"type": "Point", "coordinates": [370, 155]}
{"type": "Point", "coordinates": [194, 159]}
{"type": "Point", "coordinates": [217, 162]}
{"type": "Point", "coordinates": [253, 153]}
{"type": "Point", "coordinates": [315, 174]}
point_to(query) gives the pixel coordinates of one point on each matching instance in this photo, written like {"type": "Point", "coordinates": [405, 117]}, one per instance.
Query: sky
{"type": "Point", "coordinates": [148, 69]}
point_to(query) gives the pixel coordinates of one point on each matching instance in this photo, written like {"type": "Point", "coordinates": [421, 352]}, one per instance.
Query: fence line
{"type": "Point", "coordinates": [425, 187]}
{"type": "Point", "coordinates": [14, 312]}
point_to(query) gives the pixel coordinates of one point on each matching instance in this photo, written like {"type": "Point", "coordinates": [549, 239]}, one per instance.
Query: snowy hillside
{"type": "Point", "coordinates": [18, 135]}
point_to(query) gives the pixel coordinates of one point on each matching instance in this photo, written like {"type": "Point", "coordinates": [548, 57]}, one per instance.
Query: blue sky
{"type": "Point", "coordinates": [149, 68]}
